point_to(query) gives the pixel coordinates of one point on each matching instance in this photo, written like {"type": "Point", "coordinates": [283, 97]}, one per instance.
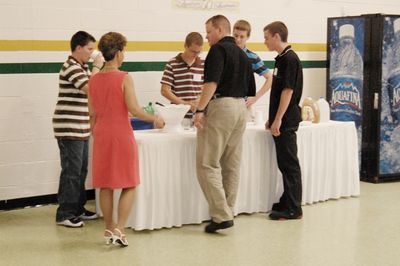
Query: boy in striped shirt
{"type": "Point", "coordinates": [241, 33]}
{"type": "Point", "coordinates": [72, 130]}
{"type": "Point", "coordinates": [183, 75]}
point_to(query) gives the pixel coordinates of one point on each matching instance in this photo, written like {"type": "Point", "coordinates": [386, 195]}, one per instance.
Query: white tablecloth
{"type": "Point", "coordinates": [169, 194]}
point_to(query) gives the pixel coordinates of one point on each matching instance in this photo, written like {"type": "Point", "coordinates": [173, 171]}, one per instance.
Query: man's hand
{"type": "Point", "coordinates": [267, 125]}
{"type": "Point", "coordinates": [193, 105]}
{"type": "Point", "coordinates": [250, 101]}
{"type": "Point", "coordinates": [199, 120]}
{"type": "Point", "coordinates": [276, 125]}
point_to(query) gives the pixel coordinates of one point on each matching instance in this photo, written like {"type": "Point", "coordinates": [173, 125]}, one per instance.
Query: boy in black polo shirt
{"type": "Point", "coordinates": [284, 119]}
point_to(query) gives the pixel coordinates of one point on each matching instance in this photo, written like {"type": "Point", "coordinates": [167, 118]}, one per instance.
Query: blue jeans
{"type": "Point", "coordinates": [71, 190]}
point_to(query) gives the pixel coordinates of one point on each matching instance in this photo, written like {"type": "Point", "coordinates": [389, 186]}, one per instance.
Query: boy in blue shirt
{"type": "Point", "coordinates": [241, 33]}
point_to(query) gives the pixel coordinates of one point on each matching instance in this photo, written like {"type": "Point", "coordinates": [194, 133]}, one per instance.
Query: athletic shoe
{"type": "Point", "coordinates": [88, 215]}
{"type": "Point", "coordinates": [73, 222]}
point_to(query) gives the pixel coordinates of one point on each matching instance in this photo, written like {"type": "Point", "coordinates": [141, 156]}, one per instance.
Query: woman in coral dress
{"type": "Point", "coordinates": [115, 157]}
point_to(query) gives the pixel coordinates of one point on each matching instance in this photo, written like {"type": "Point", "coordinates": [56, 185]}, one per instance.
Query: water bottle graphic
{"type": "Point", "coordinates": [389, 159]}
{"type": "Point", "coordinates": [393, 82]}
{"type": "Point", "coordinates": [346, 79]}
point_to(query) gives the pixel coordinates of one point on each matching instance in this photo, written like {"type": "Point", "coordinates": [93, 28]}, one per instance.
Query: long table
{"type": "Point", "coordinates": [169, 194]}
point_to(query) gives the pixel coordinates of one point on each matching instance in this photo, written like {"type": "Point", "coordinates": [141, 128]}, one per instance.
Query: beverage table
{"type": "Point", "coordinates": [169, 194]}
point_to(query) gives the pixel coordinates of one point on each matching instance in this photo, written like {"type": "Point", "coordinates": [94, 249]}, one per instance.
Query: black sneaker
{"type": "Point", "coordinates": [278, 207]}
{"type": "Point", "coordinates": [73, 222]}
{"type": "Point", "coordinates": [213, 226]}
{"type": "Point", "coordinates": [285, 215]}
{"type": "Point", "coordinates": [88, 215]}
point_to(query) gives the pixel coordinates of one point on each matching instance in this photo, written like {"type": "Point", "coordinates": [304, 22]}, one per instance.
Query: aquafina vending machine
{"type": "Point", "coordinates": [363, 86]}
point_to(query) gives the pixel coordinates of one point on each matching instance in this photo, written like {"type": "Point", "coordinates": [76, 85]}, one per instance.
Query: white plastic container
{"type": "Point", "coordinates": [173, 115]}
{"type": "Point", "coordinates": [324, 110]}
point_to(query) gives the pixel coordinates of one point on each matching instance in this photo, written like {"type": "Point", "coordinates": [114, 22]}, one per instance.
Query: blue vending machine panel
{"type": "Point", "coordinates": [346, 71]}
{"type": "Point", "coordinates": [389, 152]}
{"type": "Point", "coordinates": [363, 85]}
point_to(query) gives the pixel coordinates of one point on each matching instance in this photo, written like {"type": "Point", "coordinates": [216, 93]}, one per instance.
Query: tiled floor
{"type": "Point", "coordinates": [349, 231]}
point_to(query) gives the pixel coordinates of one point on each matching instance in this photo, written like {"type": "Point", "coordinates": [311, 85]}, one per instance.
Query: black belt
{"type": "Point", "coordinates": [217, 96]}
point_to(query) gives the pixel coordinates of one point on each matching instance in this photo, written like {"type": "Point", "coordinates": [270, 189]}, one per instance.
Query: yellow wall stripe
{"type": "Point", "coordinates": [136, 46]}
{"type": "Point", "coordinates": [33, 45]}
{"type": "Point", "coordinates": [298, 47]}
{"type": "Point", "coordinates": [156, 46]}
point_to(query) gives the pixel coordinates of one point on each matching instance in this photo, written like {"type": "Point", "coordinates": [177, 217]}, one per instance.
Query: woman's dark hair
{"type": "Point", "coordinates": [110, 43]}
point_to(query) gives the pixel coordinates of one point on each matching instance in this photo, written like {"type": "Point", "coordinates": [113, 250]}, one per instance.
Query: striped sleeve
{"type": "Point", "coordinates": [256, 63]}
{"type": "Point", "coordinates": [168, 75]}
{"type": "Point", "coordinates": [76, 75]}
{"type": "Point", "coordinates": [260, 68]}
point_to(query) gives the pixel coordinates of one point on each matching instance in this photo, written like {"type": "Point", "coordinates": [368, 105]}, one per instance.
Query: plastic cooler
{"type": "Point", "coordinates": [138, 124]}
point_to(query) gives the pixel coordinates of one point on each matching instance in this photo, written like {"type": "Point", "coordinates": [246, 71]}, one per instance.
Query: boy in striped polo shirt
{"type": "Point", "coordinates": [183, 75]}
{"type": "Point", "coordinates": [241, 33]}
{"type": "Point", "coordinates": [72, 130]}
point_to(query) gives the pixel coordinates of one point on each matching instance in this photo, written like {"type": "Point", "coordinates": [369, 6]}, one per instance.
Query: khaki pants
{"type": "Point", "coordinates": [218, 155]}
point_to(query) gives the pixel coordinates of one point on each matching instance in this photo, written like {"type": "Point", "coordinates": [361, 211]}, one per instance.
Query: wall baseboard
{"type": "Point", "coordinates": [37, 200]}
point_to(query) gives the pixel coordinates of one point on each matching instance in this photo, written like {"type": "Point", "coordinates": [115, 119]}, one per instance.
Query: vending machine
{"type": "Point", "coordinates": [363, 85]}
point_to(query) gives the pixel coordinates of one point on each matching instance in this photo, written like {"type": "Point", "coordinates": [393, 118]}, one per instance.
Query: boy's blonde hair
{"type": "Point", "coordinates": [243, 25]}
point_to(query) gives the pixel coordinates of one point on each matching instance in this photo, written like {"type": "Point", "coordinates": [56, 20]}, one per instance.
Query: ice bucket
{"type": "Point", "coordinates": [173, 115]}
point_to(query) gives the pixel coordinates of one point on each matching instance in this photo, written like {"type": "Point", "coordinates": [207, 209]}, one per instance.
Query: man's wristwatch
{"type": "Point", "coordinates": [199, 111]}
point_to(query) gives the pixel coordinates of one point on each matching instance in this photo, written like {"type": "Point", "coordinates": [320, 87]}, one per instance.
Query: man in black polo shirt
{"type": "Point", "coordinates": [284, 119]}
{"type": "Point", "coordinates": [228, 79]}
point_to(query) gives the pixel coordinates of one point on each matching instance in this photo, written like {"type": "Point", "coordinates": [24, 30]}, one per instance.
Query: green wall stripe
{"type": "Point", "coordinates": [314, 64]}
{"type": "Point", "coordinates": [34, 68]}
{"type": "Point", "coordinates": [29, 68]}
{"type": "Point", "coordinates": [143, 66]}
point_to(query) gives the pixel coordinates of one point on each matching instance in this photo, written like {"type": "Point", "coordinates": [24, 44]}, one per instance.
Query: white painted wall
{"type": "Point", "coordinates": [29, 159]}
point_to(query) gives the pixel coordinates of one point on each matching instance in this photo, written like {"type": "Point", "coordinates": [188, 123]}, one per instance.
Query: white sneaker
{"type": "Point", "coordinates": [73, 222]}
